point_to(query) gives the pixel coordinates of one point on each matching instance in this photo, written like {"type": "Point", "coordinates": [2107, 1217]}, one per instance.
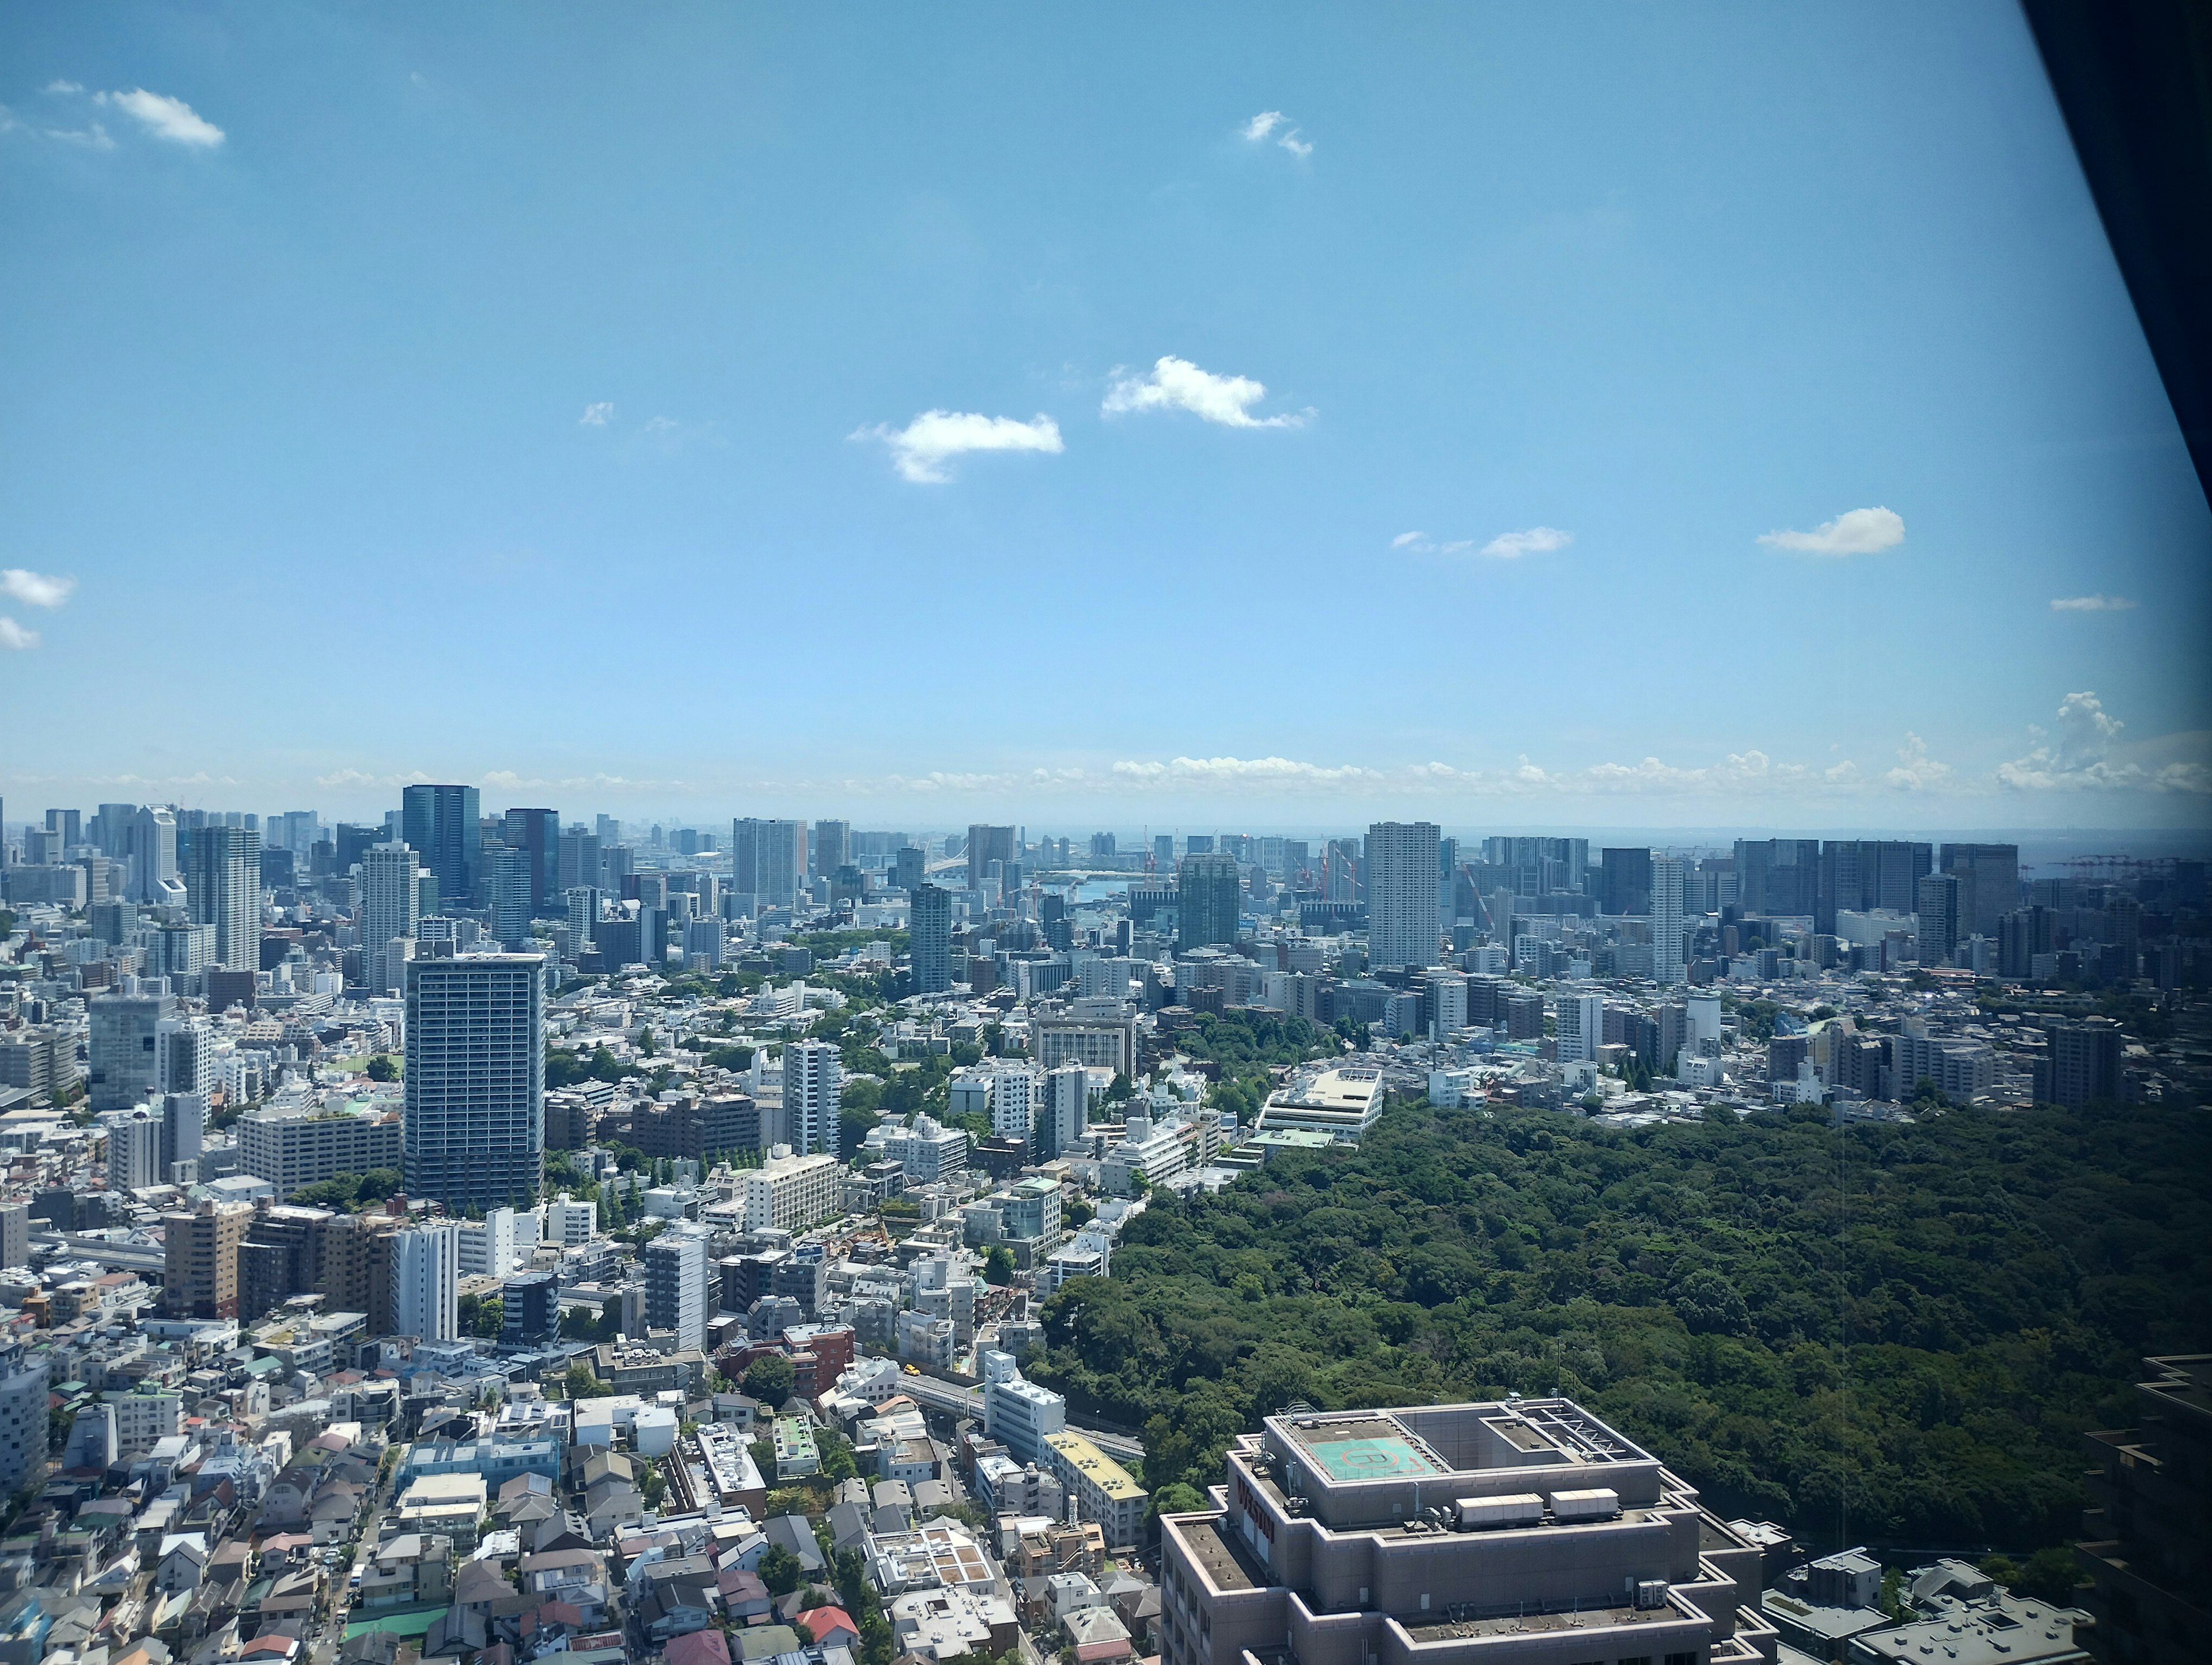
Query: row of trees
{"type": "Point", "coordinates": [1906, 1326]}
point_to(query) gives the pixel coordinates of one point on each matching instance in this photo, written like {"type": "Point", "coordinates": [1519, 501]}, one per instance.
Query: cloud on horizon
{"type": "Point", "coordinates": [2092, 604]}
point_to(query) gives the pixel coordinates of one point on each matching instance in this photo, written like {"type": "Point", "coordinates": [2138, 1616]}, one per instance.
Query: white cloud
{"type": "Point", "coordinates": [596, 414]}
{"type": "Point", "coordinates": [166, 118]}
{"type": "Point", "coordinates": [1262, 125]}
{"type": "Point", "coordinates": [1297, 146]}
{"type": "Point", "coordinates": [1915, 770]}
{"type": "Point", "coordinates": [1537, 540]}
{"type": "Point", "coordinates": [64, 87]}
{"type": "Point", "coordinates": [1506, 546]}
{"type": "Point", "coordinates": [14, 636]}
{"type": "Point", "coordinates": [658, 424]}
{"type": "Point", "coordinates": [2091, 604]}
{"type": "Point", "coordinates": [34, 589]}
{"type": "Point", "coordinates": [922, 449]}
{"type": "Point", "coordinates": [1176, 384]}
{"type": "Point", "coordinates": [1860, 531]}
{"type": "Point", "coordinates": [91, 136]}
{"type": "Point", "coordinates": [2079, 758]}
{"type": "Point", "coordinates": [1275, 123]}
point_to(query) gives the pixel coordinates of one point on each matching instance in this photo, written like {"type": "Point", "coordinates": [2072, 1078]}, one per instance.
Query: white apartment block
{"type": "Point", "coordinates": [792, 1191]}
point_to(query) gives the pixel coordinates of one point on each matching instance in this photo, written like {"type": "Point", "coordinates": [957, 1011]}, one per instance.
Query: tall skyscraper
{"type": "Point", "coordinates": [1209, 900]}
{"type": "Point", "coordinates": [813, 1080]}
{"type": "Point", "coordinates": [1401, 893]}
{"type": "Point", "coordinates": [986, 844]}
{"type": "Point", "coordinates": [536, 833]}
{"type": "Point", "coordinates": [833, 847]}
{"type": "Point", "coordinates": [930, 938]}
{"type": "Point", "coordinates": [510, 885]}
{"type": "Point", "coordinates": [909, 867]}
{"type": "Point", "coordinates": [1624, 882]}
{"type": "Point", "coordinates": [1936, 906]}
{"type": "Point", "coordinates": [768, 861]}
{"type": "Point", "coordinates": [389, 898]}
{"type": "Point", "coordinates": [1857, 875]}
{"type": "Point", "coordinates": [578, 861]}
{"type": "Point", "coordinates": [224, 888]}
{"type": "Point", "coordinates": [475, 1079]}
{"type": "Point", "coordinates": [151, 841]}
{"type": "Point", "coordinates": [442, 824]}
{"type": "Point", "coordinates": [1989, 885]}
{"type": "Point", "coordinates": [583, 902]}
{"type": "Point", "coordinates": [1671, 874]}
{"type": "Point", "coordinates": [1779, 876]}
{"type": "Point", "coordinates": [676, 1282]}
{"type": "Point", "coordinates": [426, 1278]}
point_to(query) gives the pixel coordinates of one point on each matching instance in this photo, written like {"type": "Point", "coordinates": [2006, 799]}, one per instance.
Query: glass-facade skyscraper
{"type": "Point", "coordinates": [440, 824]}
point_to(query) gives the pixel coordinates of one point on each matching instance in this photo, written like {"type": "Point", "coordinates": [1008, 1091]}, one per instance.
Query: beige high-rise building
{"type": "Point", "coordinates": [201, 1248]}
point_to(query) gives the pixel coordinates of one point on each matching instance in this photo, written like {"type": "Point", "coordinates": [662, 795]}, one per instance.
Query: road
{"type": "Point", "coordinates": [934, 1393]}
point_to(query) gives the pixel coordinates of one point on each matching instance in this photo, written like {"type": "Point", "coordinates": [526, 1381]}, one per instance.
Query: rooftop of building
{"type": "Point", "coordinates": [1096, 1466]}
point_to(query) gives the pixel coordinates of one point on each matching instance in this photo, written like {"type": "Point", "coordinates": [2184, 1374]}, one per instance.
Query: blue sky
{"type": "Point", "coordinates": [1390, 405]}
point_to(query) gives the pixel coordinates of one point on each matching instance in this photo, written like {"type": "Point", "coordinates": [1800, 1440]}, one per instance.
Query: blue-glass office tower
{"type": "Point", "coordinates": [440, 825]}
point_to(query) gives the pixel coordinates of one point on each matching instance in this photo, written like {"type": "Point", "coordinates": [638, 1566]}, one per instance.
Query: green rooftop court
{"type": "Point", "coordinates": [416, 1623]}
{"type": "Point", "coordinates": [1374, 1457]}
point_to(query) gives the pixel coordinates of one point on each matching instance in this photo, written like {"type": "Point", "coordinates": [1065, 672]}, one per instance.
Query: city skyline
{"type": "Point", "coordinates": [1807, 470]}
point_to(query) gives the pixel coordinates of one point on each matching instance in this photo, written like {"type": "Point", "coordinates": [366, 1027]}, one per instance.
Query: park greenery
{"type": "Point", "coordinates": [1891, 1334]}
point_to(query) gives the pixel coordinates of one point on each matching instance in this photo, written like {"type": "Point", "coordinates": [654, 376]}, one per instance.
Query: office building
{"type": "Point", "coordinates": [1989, 885]}
{"type": "Point", "coordinates": [930, 938]}
{"type": "Point", "coordinates": [1858, 875]}
{"type": "Point", "coordinates": [987, 844]}
{"type": "Point", "coordinates": [475, 1130]}
{"type": "Point", "coordinates": [676, 1278]}
{"type": "Point", "coordinates": [1209, 899]}
{"type": "Point", "coordinates": [489, 1246]}
{"type": "Point", "coordinates": [1670, 876]}
{"type": "Point", "coordinates": [222, 888]}
{"type": "Point", "coordinates": [1402, 893]}
{"type": "Point", "coordinates": [443, 825]}
{"type": "Point", "coordinates": [813, 1079]}
{"type": "Point", "coordinates": [152, 854]}
{"type": "Point", "coordinates": [1525, 1533]}
{"type": "Point", "coordinates": [1107, 1043]}
{"type": "Point", "coordinates": [910, 866]}
{"type": "Point", "coordinates": [508, 885]}
{"type": "Point", "coordinates": [1936, 906]}
{"type": "Point", "coordinates": [426, 1281]}
{"type": "Point", "coordinates": [569, 1223]}
{"type": "Point", "coordinates": [705, 941]}
{"type": "Point", "coordinates": [832, 847]}
{"type": "Point", "coordinates": [14, 1234]}
{"type": "Point", "coordinates": [791, 1191]}
{"type": "Point", "coordinates": [124, 1066]}
{"type": "Point", "coordinates": [387, 909]}
{"type": "Point", "coordinates": [1779, 876]}
{"type": "Point", "coordinates": [200, 1247]}
{"type": "Point", "coordinates": [768, 861]}
{"type": "Point", "coordinates": [536, 834]}
{"type": "Point", "coordinates": [577, 864]}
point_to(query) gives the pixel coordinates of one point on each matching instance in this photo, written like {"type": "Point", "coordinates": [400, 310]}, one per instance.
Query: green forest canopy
{"type": "Point", "coordinates": [2001, 1274]}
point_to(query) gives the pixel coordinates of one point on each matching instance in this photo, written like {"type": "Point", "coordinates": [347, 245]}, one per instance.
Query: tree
{"type": "Point", "coordinates": [999, 1266]}
{"type": "Point", "coordinates": [769, 1378]}
{"type": "Point", "coordinates": [780, 1570]}
{"type": "Point", "coordinates": [853, 1125]}
{"type": "Point", "coordinates": [1121, 1091]}
{"type": "Point", "coordinates": [582, 1384]}
{"type": "Point", "coordinates": [491, 1318]}
{"type": "Point", "coordinates": [381, 1069]}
